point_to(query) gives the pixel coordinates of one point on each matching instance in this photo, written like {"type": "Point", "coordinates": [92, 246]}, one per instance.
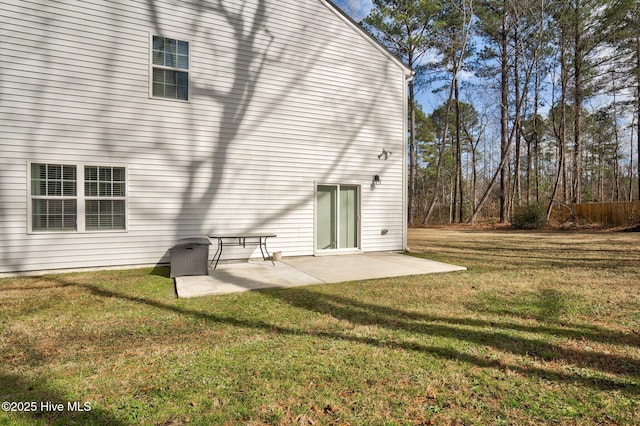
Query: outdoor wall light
{"type": "Point", "coordinates": [376, 180]}
{"type": "Point", "coordinates": [384, 154]}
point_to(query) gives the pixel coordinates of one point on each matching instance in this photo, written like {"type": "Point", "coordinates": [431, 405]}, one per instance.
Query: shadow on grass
{"type": "Point", "coordinates": [545, 306]}
{"type": "Point", "coordinates": [34, 399]}
{"type": "Point", "coordinates": [496, 335]}
{"type": "Point", "coordinates": [593, 369]}
{"type": "Point", "coordinates": [531, 251]}
{"type": "Point", "coordinates": [161, 271]}
{"type": "Point", "coordinates": [511, 260]}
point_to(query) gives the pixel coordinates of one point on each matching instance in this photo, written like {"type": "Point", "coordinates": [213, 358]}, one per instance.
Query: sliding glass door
{"type": "Point", "coordinates": [337, 214]}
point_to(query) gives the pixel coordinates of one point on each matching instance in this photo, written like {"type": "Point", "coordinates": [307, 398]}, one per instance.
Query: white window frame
{"type": "Point", "coordinates": [105, 198]}
{"type": "Point", "coordinates": [80, 198]}
{"type": "Point", "coordinates": [153, 66]}
{"type": "Point", "coordinates": [47, 197]}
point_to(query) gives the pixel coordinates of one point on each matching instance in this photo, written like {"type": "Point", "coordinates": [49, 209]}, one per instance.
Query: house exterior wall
{"type": "Point", "coordinates": [284, 95]}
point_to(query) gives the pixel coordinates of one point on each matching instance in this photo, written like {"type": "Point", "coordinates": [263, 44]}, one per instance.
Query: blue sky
{"type": "Point", "coordinates": [357, 9]}
{"type": "Point", "coordinates": [482, 99]}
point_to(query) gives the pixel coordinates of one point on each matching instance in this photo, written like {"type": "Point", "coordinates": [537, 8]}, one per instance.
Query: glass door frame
{"type": "Point", "coordinates": [337, 213]}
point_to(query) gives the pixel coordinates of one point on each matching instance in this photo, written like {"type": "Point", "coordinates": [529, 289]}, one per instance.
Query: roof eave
{"type": "Point", "coordinates": [409, 72]}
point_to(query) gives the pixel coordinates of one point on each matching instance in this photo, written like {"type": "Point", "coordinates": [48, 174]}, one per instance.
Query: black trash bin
{"type": "Point", "coordinates": [190, 257]}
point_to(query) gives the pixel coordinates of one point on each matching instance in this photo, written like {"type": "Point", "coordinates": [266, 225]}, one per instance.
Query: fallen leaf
{"type": "Point", "coordinates": [329, 410]}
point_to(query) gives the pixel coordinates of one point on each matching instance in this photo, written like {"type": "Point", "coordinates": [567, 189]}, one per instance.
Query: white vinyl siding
{"type": "Point", "coordinates": [283, 94]}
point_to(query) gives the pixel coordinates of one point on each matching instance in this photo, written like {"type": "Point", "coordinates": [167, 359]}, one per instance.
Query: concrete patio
{"type": "Point", "coordinates": [306, 270]}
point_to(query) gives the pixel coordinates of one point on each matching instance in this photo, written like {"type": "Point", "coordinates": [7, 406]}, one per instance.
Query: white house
{"type": "Point", "coordinates": [127, 125]}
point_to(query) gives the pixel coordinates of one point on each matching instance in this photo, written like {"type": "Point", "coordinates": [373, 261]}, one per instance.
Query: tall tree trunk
{"type": "Point", "coordinates": [576, 170]}
{"type": "Point", "coordinates": [531, 150]}
{"type": "Point", "coordinates": [443, 149]}
{"type": "Point", "coordinates": [630, 197]}
{"type": "Point", "coordinates": [474, 178]}
{"type": "Point", "coordinates": [638, 113]}
{"type": "Point", "coordinates": [412, 153]}
{"type": "Point", "coordinates": [536, 140]}
{"type": "Point", "coordinates": [504, 114]}
{"type": "Point", "coordinates": [460, 189]}
{"type": "Point", "coordinates": [561, 132]}
{"type": "Point", "coordinates": [616, 161]}
{"type": "Point", "coordinates": [515, 200]}
{"type": "Point", "coordinates": [563, 118]}
{"type": "Point", "coordinates": [457, 61]}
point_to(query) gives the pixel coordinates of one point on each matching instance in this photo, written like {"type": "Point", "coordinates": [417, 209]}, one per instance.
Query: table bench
{"type": "Point", "coordinates": [242, 239]}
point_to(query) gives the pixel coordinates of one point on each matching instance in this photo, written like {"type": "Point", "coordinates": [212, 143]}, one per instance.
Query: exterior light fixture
{"type": "Point", "coordinates": [384, 154]}
{"type": "Point", "coordinates": [376, 180]}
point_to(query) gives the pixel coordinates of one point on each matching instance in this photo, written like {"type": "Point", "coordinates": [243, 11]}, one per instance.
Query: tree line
{"type": "Point", "coordinates": [540, 103]}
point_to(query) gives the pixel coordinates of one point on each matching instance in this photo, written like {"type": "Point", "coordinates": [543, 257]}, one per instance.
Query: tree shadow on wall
{"type": "Point", "coordinates": [257, 53]}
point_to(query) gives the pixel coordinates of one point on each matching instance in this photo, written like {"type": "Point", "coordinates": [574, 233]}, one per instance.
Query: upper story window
{"type": "Point", "coordinates": [170, 68]}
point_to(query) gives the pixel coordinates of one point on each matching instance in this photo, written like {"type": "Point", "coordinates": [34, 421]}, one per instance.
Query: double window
{"type": "Point", "coordinates": [170, 68]}
{"type": "Point", "coordinates": [77, 198]}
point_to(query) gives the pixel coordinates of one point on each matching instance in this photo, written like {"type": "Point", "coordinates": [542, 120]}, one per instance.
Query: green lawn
{"type": "Point", "coordinates": [542, 328]}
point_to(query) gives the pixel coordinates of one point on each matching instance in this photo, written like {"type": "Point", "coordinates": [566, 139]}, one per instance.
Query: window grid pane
{"type": "Point", "coordinates": [53, 180]}
{"type": "Point", "coordinates": [104, 183]}
{"type": "Point", "coordinates": [170, 83]}
{"type": "Point", "coordinates": [104, 214]}
{"type": "Point", "coordinates": [101, 181]}
{"type": "Point", "coordinates": [54, 172]}
{"type": "Point", "coordinates": [49, 211]}
{"type": "Point", "coordinates": [54, 215]}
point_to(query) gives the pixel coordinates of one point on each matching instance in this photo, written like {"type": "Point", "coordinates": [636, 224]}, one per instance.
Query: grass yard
{"type": "Point", "coordinates": [543, 328]}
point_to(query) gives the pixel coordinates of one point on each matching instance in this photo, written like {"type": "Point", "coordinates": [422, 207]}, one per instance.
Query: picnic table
{"type": "Point", "coordinates": [242, 239]}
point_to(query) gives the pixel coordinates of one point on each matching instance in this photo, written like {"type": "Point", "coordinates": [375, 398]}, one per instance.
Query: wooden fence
{"type": "Point", "coordinates": [616, 214]}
